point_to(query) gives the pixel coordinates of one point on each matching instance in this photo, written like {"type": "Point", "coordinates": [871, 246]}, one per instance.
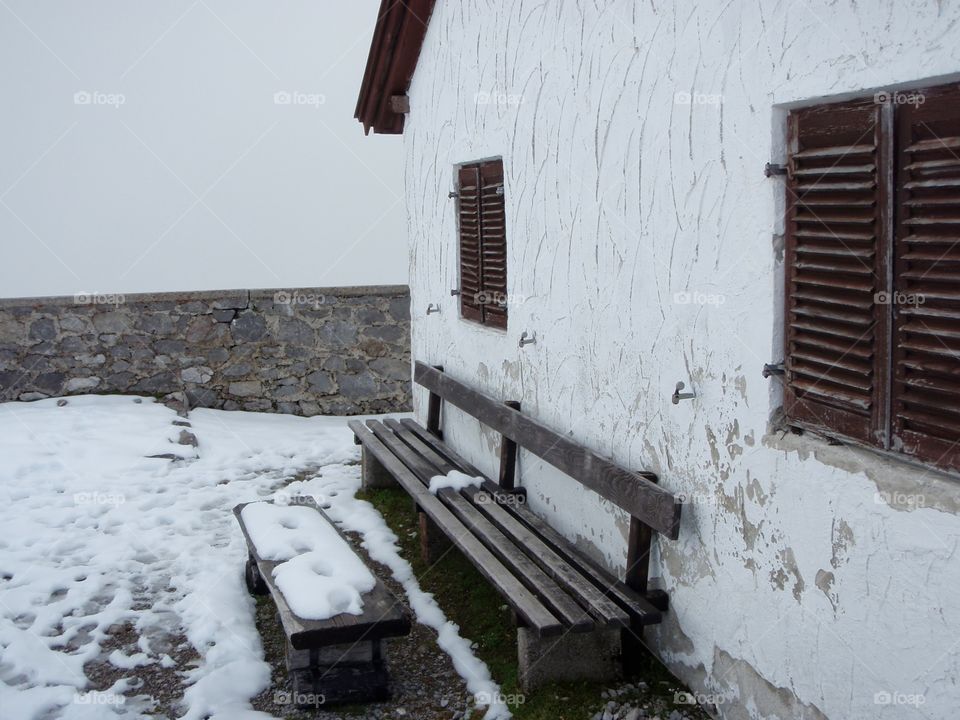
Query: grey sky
{"type": "Point", "coordinates": [190, 145]}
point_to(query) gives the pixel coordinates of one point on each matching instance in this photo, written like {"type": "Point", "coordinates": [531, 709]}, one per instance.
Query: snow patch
{"type": "Point", "coordinates": [453, 479]}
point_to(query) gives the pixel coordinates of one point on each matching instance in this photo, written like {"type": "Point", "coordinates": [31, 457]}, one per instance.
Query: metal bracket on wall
{"type": "Point", "coordinates": [771, 169]}
{"type": "Point", "coordinates": [678, 396]}
{"type": "Point", "coordinates": [432, 308]}
{"type": "Point", "coordinates": [773, 369]}
{"type": "Point", "coordinates": [527, 338]}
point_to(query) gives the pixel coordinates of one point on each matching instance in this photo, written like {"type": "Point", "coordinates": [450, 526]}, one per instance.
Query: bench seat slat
{"type": "Point", "coordinates": [382, 616]}
{"type": "Point", "coordinates": [529, 573]}
{"type": "Point", "coordinates": [526, 604]}
{"type": "Point", "coordinates": [602, 608]}
{"type": "Point", "coordinates": [646, 501]}
{"type": "Point", "coordinates": [633, 602]}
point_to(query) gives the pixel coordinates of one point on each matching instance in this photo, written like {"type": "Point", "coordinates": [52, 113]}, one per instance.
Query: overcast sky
{"type": "Point", "coordinates": [191, 145]}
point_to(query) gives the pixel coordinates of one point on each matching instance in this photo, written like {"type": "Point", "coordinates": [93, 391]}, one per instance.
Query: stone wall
{"type": "Point", "coordinates": [305, 352]}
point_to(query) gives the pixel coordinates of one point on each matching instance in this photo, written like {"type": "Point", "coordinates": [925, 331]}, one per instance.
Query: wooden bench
{"type": "Point", "coordinates": [335, 660]}
{"type": "Point", "coordinates": [574, 618]}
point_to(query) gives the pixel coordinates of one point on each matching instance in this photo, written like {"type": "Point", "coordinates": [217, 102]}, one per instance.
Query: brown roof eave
{"type": "Point", "coordinates": [397, 39]}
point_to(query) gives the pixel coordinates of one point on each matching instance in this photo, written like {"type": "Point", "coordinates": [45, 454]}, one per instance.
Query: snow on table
{"type": "Point", "coordinates": [319, 574]}
{"type": "Point", "coordinates": [97, 535]}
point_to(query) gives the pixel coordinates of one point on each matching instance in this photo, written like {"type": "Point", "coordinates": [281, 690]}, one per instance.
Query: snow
{"type": "Point", "coordinates": [319, 574]}
{"type": "Point", "coordinates": [97, 535]}
{"type": "Point", "coordinates": [453, 479]}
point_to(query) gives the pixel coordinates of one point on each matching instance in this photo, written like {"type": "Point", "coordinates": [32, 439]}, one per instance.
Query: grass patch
{"type": "Point", "coordinates": [471, 602]}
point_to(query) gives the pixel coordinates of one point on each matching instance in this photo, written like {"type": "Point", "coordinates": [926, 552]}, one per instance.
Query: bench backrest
{"type": "Point", "coordinates": [637, 493]}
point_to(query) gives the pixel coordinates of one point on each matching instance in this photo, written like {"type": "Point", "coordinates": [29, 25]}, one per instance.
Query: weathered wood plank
{"type": "Point", "coordinates": [528, 607]}
{"type": "Point", "coordinates": [382, 616]}
{"type": "Point", "coordinates": [530, 574]}
{"type": "Point", "coordinates": [637, 605]}
{"type": "Point", "coordinates": [638, 496]}
{"type": "Point", "coordinates": [601, 607]}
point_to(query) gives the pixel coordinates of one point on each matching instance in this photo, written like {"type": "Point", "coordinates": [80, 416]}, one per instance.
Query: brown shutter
{"type": "Point", "coordinates": [836, 334]}
{"type": "Point", "coordinates": [926, 355]}
{"type": "Point", "coordinates": [493, 243]}
{"type": "Point", "coordinates": [468, 213]}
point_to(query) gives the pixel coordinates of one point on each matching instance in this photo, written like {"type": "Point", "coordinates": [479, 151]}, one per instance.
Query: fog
{"type": "Point", "coordinates": [191, 145]}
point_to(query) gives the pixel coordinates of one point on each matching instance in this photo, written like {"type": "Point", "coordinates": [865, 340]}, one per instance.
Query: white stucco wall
{"type": "Point", "coordinates": [794, 585]}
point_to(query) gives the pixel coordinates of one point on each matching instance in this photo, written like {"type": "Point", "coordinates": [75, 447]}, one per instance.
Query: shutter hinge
{"type": "Point", "coordinates": [499, 189]}
{"type": "Point", "coordinates": [452, 194]}
{"type": "Point", "coordinates": [773, 369]}
{"type": "Point", "coordinates": [771, 169]}
{"type": "Point", "coordinates": [454, 292]}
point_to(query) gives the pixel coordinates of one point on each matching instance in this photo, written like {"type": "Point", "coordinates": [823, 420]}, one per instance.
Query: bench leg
{"type": "Point", "coordinates": [433, 543]}
{"type": "Point", "coordinates": [593, 656]}
{"type": "Point", "coordinates": [373, 473]}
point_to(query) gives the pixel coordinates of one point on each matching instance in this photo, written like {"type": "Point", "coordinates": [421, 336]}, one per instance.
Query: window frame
{"type": "Point", "coordinates": [489, 307]}
{"type": "Point", "coordinates": [880, 426]}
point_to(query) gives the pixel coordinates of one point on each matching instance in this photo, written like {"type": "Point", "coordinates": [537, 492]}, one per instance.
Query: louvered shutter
{"type": "Point", "coordinates": [493, 244]}
{"type": "Point", "coordinates": [926, 347]}
{"type": "Point", "coordinates": [836, 334]}
{"type": "Point", "coordinates": [468, 212]}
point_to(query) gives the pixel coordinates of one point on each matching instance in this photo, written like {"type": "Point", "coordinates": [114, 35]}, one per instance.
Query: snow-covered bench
{"type": "Point", "coordinates": [576, 620]}
{"type": "Point", "coordinates": [334, 612]}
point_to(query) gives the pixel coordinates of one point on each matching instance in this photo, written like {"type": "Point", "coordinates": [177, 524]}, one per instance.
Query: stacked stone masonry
{"type": "Point", "coordinates": [319, 351]}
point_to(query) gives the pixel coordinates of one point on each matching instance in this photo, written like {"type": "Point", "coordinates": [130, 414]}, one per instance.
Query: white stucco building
{"type": "Point", "coordinates": [645, 246]}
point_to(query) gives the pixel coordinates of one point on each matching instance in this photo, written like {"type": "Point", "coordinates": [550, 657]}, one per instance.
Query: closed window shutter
{"type": "Point", "coordinates": [836, 358]}
{"type": "Point", "coordinates": [468, 211]}
{"type": "Point", "coordinates": [926, 348]}
{"type": "Point", "coordinates": [493, 244]}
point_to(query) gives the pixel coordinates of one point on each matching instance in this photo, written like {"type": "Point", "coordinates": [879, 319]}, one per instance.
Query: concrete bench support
{"type": "Point", "coordinates": [373, 473]}
{"type": "Point", "coordinates": [593, 655]}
